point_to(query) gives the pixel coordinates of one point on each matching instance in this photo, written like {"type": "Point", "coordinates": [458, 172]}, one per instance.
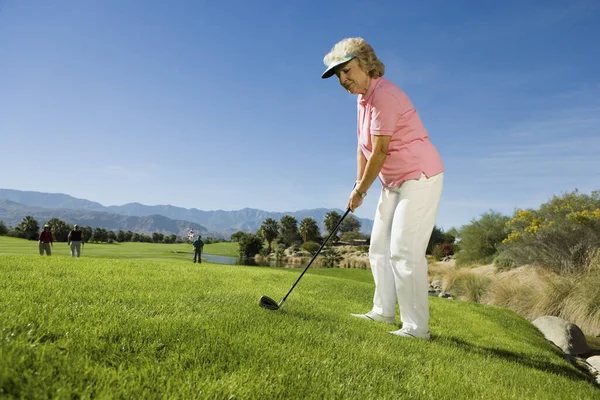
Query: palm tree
{"type": "Point", "coordinates": [288, 233]}
{"type": "Point", "coordinates": [60, 229]}
{"type": "Point", "coordinates": [309, 230]}
{"type": "Point", "coordinates": [270, 230]}
{"type": "Point", "coordinates": [331, 220]}
{"type": "Point", "coordinates": [330, 257]}
{"type": "Point", "coordinates": [30, 227]}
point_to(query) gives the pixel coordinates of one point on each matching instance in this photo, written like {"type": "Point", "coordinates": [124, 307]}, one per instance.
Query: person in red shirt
{"type": "Point", "coordinates": [46, 241]}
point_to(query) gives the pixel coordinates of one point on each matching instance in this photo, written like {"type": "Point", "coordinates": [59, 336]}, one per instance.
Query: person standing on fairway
{"type": "Point", "coordinates": [46, 241]}
{"type": "Point", "coordinates": [394, 146]}
{"type": "Point", "coordinates": [75, 240]}
{"type": "Point", "coordinates": [198, 245]}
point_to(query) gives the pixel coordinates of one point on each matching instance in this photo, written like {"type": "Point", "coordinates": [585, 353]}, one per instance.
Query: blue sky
{"type": "Point", "coordinates": [220, 105]}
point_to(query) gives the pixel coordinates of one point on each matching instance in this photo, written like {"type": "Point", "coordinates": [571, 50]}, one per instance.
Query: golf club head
{"type": "Point", "coordinates": [268, 303]}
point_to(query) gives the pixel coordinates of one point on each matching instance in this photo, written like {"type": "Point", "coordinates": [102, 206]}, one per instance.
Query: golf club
{"type": "Point", "coordinates": [269, 303]}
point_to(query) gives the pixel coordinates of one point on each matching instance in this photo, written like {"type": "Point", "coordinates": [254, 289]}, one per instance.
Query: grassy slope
{"type": "Point", "coordinates": [148, 251]}
{"type": "Point", "coordinates": [594, 343]}
{"type": "Point", "coordinates": [139, 328]}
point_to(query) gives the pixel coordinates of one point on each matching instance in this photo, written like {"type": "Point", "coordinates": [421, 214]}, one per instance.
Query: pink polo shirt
{"type": "Point", "coordinates": [387, 110]}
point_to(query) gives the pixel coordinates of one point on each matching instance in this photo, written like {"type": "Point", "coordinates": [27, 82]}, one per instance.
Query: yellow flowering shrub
{"type": "Point", "coordinates": [562, 234]}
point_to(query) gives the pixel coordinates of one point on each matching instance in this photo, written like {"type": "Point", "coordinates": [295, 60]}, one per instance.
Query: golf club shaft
{"type": "Point", "coordinates": [315, 256]}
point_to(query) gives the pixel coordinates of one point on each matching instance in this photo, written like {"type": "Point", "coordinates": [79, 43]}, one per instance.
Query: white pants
{"type": "Point", "coordinates": [75, 248]}
{"type": "Point", "coordinates": [403, 224]}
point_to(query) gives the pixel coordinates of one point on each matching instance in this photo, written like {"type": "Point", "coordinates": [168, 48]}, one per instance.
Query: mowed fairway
{"type": "Point", "coordinates": [133, 328]}
{"type": "Point", "coordinates": [128, 250]}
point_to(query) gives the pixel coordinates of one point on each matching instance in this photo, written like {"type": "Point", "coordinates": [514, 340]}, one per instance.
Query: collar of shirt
{"type": "Point", "coordinates": [372, 86]}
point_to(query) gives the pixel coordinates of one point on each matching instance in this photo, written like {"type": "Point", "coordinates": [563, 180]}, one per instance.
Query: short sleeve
{"type": "Point", "coordinates": [384, 114]}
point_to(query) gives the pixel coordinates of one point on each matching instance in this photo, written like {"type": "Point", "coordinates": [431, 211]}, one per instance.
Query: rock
{"type": "Point", "coordinates": [567, 336]}
{"type": "Point", "coordinates": [436, 284]}
{"type": "Point", "coordinates": [594, 361]}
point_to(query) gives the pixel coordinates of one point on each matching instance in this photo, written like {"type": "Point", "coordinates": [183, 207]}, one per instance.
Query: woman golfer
{"type": "Point", "coordinates": [394, 146]}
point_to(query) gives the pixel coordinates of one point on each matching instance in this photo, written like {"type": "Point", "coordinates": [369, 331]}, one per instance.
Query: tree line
{"type": "Point", "coordinates": [29, 228]}
{"type": "Point", "coordinates": [288, 232]}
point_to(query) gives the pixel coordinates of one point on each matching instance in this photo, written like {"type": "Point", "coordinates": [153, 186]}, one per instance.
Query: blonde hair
{"type": "Point", "coordinates": [364, 53]}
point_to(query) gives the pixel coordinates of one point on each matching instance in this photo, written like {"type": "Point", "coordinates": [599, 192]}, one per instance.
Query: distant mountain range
{"type": "Point", "coordinates": [166, 219]}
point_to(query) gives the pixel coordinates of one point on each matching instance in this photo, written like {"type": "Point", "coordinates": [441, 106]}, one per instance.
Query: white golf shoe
{"type": "Point", "coordinates": [375, 317]}
{"type": "Point", "coordinates": [411, 334]}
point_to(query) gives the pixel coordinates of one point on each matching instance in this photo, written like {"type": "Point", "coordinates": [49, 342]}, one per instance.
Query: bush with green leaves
{"type": "Point", "coordinates": [503, 262]}
{"type": "Point", "coordinates": [237, 236]}
{"type": "Point", "coordinates": [363, 248]}
{"type": "Point", "coordinates": [3, 229]}
{"type": "Point", "coordinates": [279, 251]}
{"type": "Point", "coordinates": [310, 246]}
{"type": "Point", "coordinates": [480, 240]}
{"type": "Point", "coordinates": [350, 224]}
{"type": "Point", "coordinates": [442, 250]}
{"type": "Point", "coordinates": [563, 235]}
{"type": "Point", "coordinates": [250, 245]}
{"type": "Point", "coordinates": [438, 236]}
{"type": "Point", "coordinates": [16, 233]}
{"type": "Point", "coordinates": [330, 257]}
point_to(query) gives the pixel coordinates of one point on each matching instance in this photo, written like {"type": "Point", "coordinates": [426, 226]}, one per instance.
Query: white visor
{"type": "Point", "coordinates": [330, 71]}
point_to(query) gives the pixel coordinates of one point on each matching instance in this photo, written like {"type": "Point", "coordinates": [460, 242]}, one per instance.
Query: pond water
{"type": "Point", "coordinates": [213, 258]}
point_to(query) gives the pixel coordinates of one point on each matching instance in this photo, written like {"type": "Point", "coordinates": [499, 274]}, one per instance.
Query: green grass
{"type": "Point", "coordinates": [594, 343]}
{"type": "Point", "coordinates": [131, 328]}
{"type": "Point", "coordinates": [128, 250]}
{"type": "Point", "coordinates": [223, 249]}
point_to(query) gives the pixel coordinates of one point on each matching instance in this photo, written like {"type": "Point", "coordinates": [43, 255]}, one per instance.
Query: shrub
{"type": "Point", "coordinates": [511, 293]}
{"type": "Point", "coordinates": [448, 249]}
{"type": "Point", "coordinates": [437, 271]}
{"type": "Point", "coordinates": [563, 235]}
{"type": "Point", "coordinates": [16, 233]}
{"type": "Point", "coordinates": [594, 264]}
{"type": "Point", "coordinates": [479, 241]}
{"type": "Point", "coordinates": [236, 237]}
{"type": "Point", "coordinates": [3, 229]}
{"type": "Point", "coordinates": [437, 252]}
{"type": "Point", "coordinates": [466, 285]}
{"type": "Point", "coordinates": [279, 251]}
{"type": "Point", "coordinates": [438, 236]}
{"type": "Point", "coordinates": [582, 304]}
{"type": "Point", "coordinates": [535, 292]}
{"type": "Point", "coordinates": [330, 257]}
{"type": "Point", "coordinates": [363, 248]}
{"type": "Point", "coordinates": [250, 245]}
{"type": "Point", "coordinates": [502, 262]}
{"type": "Point", "coordinates": [442, 250]}
{"type": "Point", "coordinates": [532, 292]}
{"type": "Point", "coordinates": [355, 262]}
{"type": "Point", "coordinates": [311, 247]}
